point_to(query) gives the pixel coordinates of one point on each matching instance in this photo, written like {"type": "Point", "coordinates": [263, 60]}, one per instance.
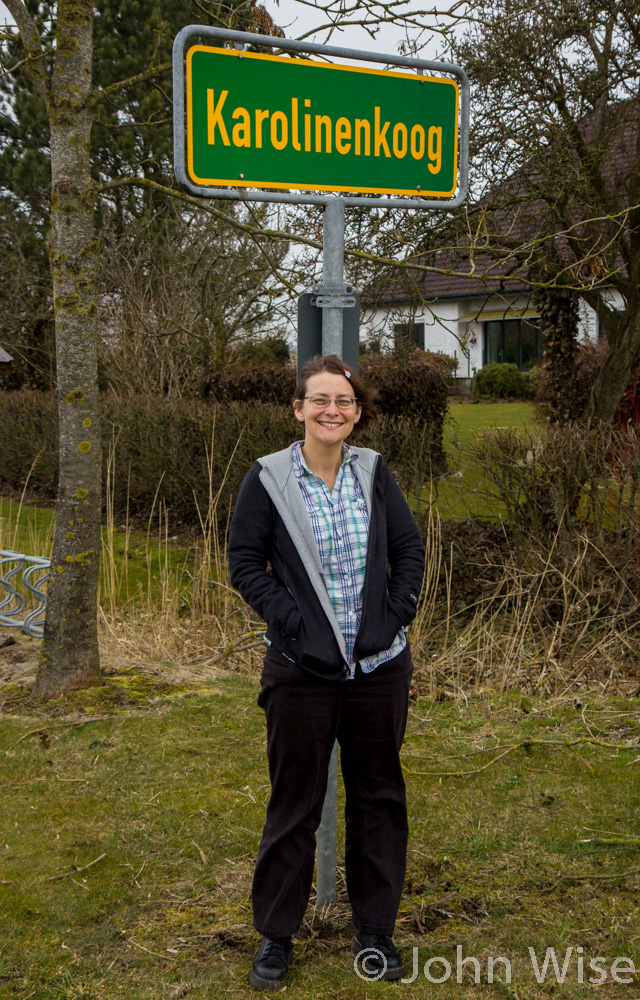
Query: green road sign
{"type": "Point", "coordinates": [264, 121]}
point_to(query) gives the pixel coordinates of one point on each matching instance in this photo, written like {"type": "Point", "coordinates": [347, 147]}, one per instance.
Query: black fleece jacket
{"type": "Point", "coordinates": [300, 622]}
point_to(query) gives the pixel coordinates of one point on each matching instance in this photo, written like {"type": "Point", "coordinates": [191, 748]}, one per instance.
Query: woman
{"type": "Point", "coordinates": [327, 519]}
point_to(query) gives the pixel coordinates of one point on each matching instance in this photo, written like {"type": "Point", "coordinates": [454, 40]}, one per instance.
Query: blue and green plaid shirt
{"type": "Point", "coordinates": [340, 522]}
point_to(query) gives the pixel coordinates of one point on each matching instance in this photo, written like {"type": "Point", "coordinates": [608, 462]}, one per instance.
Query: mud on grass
{"type": "Point", "coordinates": [129, 829]}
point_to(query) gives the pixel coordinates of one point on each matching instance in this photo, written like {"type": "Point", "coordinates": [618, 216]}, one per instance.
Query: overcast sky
{"type": "Point", "coordinates": [298, 18]}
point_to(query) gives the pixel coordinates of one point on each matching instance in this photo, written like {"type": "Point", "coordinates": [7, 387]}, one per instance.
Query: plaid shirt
{"type": "Point", "coordinates": [340, 522]}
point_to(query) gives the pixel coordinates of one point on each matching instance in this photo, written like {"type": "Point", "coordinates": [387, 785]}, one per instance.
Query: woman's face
{"type": "Point", "coordinates": [328, 425]}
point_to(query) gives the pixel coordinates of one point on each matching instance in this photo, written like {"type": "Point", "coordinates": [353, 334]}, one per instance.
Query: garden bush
{"type": "Point", "coordinates": [448, 364]}
{"type": "Point", "coordinates": [257, 383]}
{"type": "Point", "coordinates": [410, 381]}
{"type": "Point", "coordinates": [502, 381]}
{"type": "Point", "coordinates": [569, 479]}
{"type": "Point", "coordinates": [273, 350]}
{"type": "Point", "coordinates": [567, 544]}
{"type": "Point", "coordinates": [535, 380]}
{"type": "Point", "coordinates": [29, 442]}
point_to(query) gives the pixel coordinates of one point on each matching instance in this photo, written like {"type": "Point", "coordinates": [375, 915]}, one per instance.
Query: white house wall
{"type": "Point", "coordinates": [453, 325]}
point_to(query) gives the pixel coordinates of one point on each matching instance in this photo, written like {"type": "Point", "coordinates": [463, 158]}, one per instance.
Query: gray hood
{"type": "Point", "coordinates": [280, 482]}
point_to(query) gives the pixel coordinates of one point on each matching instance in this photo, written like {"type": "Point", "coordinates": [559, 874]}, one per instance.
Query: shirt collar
{"type": "Point", "coordinates": [349, 455]}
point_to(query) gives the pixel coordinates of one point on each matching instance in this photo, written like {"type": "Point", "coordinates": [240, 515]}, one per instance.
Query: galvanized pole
{"type": "Point", "coordinates": [333, 276]}
{"type": "Point", "coordinates": [327, 836]}
{"type": "Point", "coordinates": [333, 296]}
{"type": "Point", "coordinates": [332, 290]}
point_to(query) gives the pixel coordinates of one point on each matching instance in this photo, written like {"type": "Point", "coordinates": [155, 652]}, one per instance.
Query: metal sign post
{"type": "Point", "coordinates": [332, 293]}
{"type": "Point", "coordinates": [332, 297]}
{"type": "Point", "coordinates": [329, 318]}
{"type": "Point", "coordinates": [245, 121]}
{"type": "Point", "coordinates": [310, 328]}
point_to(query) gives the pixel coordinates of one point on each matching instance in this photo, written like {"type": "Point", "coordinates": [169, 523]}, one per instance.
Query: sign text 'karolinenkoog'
{"type": "Point", "coordinates": [257, 120]}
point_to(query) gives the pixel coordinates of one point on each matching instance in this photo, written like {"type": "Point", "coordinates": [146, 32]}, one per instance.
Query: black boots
{"type": "Point", "coordinates": [378, 957]}
{"type": "Point", "coordinates": [271, 965]}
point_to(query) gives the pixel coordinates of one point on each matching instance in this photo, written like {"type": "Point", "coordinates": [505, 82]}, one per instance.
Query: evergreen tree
{"type": "Point", "coordinates": [131, 137]}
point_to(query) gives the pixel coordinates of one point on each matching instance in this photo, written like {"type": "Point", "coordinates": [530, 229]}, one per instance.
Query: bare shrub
{"type": "Point", "coordinates": [552, 593]}
{"type": "Point", "coordinates": [178, 298]}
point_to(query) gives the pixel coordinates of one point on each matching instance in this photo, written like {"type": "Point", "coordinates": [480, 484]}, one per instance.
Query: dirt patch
{"type": "Point", "coordinates": [125, 688]}
{"type": "Point", "coordinates": [18, 661]}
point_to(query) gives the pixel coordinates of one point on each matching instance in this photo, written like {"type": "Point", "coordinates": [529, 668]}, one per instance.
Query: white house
{"type": "Point", "coordinates": [468, 320]}
{"type": "Point", "coordinates": [481, 321]}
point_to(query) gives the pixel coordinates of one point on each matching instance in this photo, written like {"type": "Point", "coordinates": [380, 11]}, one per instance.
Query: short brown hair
{"type": "Point", "coordinates": [362, 390]}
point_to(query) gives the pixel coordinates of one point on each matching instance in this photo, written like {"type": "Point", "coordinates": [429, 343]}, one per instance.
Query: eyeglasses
{"type": "Point", "coordinates": [342, 402]}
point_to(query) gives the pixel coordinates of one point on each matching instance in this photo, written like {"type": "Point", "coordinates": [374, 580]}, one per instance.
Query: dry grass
{"type": "Point", "coordinates": [544, 626]}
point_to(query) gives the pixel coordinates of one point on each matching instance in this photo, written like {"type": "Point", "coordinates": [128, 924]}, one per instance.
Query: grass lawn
{"type": "Point", "coordinates": [134, 565]}
{"type": "Point", "coordinates": [465, 492]}
{"type": "Point", "coordinates": [466, 419]}
{"type": "Point", "coordinates": [131, 818]}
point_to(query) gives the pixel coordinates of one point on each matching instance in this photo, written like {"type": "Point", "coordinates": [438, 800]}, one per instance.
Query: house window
{"type": "Point", "coordinates": [408, 333]}
{"type": "Point", "coordinates": [512, 341]}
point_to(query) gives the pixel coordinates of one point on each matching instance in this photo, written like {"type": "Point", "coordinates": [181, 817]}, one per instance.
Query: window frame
{"type": "Point", "coordinates": [533, 322]}
{"type": "Point", "coordinates": [409, 333]}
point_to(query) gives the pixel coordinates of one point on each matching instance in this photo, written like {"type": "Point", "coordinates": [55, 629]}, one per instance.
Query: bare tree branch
{"type": "Point", "coordinates": [147, 74]}
{"type": "Point", "coordinates": [32, 42]}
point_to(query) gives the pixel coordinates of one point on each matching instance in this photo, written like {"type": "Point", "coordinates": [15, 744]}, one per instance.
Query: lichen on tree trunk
{"type": "Point", "coordinates": [70, 657]}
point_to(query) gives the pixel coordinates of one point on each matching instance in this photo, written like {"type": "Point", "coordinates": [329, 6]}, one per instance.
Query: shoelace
{"type": "Point", "coordinates": [384, 944]}
{"type": "Point", "coordinates": [276, 948]}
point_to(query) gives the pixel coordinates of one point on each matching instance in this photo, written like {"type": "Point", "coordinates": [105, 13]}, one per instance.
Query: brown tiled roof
{"type": "Point", "coordinates": [508, 211]}
{"type": "Point", "coordinates": [398, 288]}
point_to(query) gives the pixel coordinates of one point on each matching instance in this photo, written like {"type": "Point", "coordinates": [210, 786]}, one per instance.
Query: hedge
{"type": "Point", "coordinates": [163, 450]}
{"type": "Point", "coordinates": [408, 382]}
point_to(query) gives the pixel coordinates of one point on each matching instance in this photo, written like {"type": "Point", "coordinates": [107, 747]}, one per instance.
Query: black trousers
{"type": "Point", "coordinates": [304, 716]}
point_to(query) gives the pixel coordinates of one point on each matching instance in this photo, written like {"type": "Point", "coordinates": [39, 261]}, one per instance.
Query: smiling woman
{"type": "Point", "coordinates": [329, 413]}
{"type": "Point", "coordinates": [314, 529]}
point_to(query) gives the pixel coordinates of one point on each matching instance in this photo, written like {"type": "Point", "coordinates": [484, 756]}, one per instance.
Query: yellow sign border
{"type": "Point", "coordinates": [275, 185]}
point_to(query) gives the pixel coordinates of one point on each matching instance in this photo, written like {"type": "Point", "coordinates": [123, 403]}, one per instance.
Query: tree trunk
{"type": "Point", "coordinates": [559, 319]}
{"type": "Point", "coordinates": [617, 372]}
{"type": "Point", "coordinates": [69, 657]}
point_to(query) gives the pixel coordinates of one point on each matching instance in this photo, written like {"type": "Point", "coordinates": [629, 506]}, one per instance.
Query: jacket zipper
{"type": "Point", "coordinates": [374, 478]}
